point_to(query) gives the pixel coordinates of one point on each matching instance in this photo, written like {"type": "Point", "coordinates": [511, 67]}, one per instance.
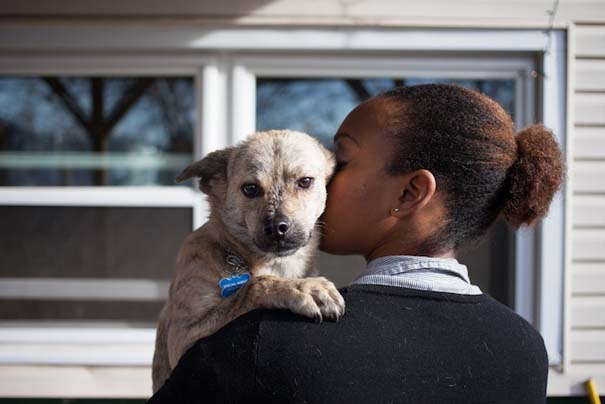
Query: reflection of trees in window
{"type": "Point", "coordinates": [317, 106]}
{"type": "Point", "coordinates": [147, 115]}
{"type": "Point", "coordinates": [363, 90]}
{"type": "Point", "coordinates": [100, 123]}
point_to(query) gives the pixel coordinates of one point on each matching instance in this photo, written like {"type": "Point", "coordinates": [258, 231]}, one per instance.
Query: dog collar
{"type": "Point", "coordinates": [238, 272]}
{"type": "Point", "coordinates": [235, 264]}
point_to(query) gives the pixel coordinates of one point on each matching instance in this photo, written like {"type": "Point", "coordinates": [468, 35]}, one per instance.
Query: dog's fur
{"type": "Point", "coordinates": [276, 161]}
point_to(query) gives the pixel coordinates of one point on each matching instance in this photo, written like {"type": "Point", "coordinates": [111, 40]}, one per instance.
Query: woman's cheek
{"type": "Point", "coordinates": [337, 211]}
{"type": "Point", "coordinates": [334, 199]}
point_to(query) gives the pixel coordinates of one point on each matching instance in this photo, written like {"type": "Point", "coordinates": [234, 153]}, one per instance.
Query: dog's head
{"type": "Point", "coordinates": [269, 190]}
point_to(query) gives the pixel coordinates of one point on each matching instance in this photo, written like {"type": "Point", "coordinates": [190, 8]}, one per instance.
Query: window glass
{"type": "Point", "coordinates": [88, 244]}
{"type": "Point", "coordinates": [62, 131]}
{"type": "Point", "coordinates": [134, 313]}
{"type": "Point", "coordinates": [318, 105]}
{"type": "Point", "coordinates": [91, 242]}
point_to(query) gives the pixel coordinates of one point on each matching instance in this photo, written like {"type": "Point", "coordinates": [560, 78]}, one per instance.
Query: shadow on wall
{"type": "Point", "coordinates": [216, 10]}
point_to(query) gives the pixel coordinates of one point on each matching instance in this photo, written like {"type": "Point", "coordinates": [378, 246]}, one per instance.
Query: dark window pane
{"type": "Point", "coordinates": [91, 242]}
{"type": "Point", "coordinates": [144, 313]}
{"type": "Point", "coordinates": [95, 130]}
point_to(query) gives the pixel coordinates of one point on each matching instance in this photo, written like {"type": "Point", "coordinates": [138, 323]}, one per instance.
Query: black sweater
{"type": "Point", "coordinates": [394, 345]}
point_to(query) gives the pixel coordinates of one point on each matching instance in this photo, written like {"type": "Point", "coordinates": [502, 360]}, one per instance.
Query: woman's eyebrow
{"type": "Point", "coordinates": [341, 135]}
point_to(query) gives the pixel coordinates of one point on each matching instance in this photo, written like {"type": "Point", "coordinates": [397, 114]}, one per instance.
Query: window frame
{"type": "Point", "coordinates": [541, 95]}
{"type": "Point", "coordinates": [226, 60]}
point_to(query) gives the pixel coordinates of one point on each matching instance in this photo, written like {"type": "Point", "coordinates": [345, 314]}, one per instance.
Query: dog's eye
{"type": "Point", "coordinates": [251, 190]}
{"type": "Point", "coordinates": [305, 182]}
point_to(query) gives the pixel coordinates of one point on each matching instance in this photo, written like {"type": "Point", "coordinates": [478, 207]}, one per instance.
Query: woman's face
{"type": "Point", "coordinates": [361, 194]}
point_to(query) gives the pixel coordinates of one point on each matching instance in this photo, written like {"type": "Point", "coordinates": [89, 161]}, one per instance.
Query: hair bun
{"type": "Point", "coordinates": [535, 176]}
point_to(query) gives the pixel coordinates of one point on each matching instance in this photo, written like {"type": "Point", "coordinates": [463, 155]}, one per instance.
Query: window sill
{"type": "Point", "coordinates": [135, 382]}
{"type": "Point", "coordinates": [67, 344]}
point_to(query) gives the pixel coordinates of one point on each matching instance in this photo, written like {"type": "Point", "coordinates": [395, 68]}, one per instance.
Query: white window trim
{"type": "Point", "coordinates": [552, 232]}
{"type": "Point", "coordinates": [228, 83]}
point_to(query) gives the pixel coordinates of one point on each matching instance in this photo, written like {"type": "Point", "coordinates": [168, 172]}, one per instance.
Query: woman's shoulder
{"type": "Point", "coordinates": [275, 353]}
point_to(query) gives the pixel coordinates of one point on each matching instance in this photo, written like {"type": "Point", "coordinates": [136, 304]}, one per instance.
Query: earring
{"type": "Point", "coordinates": [395, 209]}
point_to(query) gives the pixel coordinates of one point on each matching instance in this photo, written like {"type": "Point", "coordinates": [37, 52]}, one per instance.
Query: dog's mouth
{"type": "Point", "coordinates": [279, 248]}
{"type": "Point", "coordinates": [283, 247]}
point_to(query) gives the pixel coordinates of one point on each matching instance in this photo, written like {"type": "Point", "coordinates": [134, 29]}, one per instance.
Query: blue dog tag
{"type": "Point", "coordinates": [231, 285]}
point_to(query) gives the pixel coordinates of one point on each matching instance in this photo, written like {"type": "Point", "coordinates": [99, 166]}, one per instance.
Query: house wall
{"type": "Point", "coordinates": [587, 303]}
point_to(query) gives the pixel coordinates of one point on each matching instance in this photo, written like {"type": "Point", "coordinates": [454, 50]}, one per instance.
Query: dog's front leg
{"type": "Point", "coordinates": [316, 298]}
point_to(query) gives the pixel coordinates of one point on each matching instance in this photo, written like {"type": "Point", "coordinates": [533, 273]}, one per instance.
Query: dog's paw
{"type": "Point", "coordinates": [314, 297]}
{"type": "Point", "coordinates": [322, 299]}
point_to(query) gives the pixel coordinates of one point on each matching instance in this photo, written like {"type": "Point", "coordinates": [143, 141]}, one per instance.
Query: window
{"type": "Point", "coordinates": [74, 310]}
{"type": "Point", "coordinates": [90, 131]}
{"type": "Point", "coordinates": [87, 168]}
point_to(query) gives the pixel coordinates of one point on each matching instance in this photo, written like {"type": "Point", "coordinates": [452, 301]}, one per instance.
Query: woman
{"type": "Point", "coordinates": [421, 172]}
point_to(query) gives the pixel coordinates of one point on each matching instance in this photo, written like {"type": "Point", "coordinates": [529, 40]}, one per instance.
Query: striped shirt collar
{"type": "Point", "coordinates": [418, 272]}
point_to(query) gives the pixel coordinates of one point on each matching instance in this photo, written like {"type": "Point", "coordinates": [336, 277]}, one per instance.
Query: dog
{"type": "Point", "coordinates": [256, 249]}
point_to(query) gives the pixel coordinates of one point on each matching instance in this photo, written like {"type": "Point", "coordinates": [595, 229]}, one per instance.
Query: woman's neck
{"type": "Point", "coordinates": [396, 248]}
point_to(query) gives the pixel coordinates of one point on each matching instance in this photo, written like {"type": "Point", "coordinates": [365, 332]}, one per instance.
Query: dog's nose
{"type": "Point", "coordinates": [277, 227]}
{"type": "Point", "coordinates": [282, 225]}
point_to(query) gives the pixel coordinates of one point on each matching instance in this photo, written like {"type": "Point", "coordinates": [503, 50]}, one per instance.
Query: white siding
{"type": "Point", "coordinates": [590, 41]}
{"type": "Point", "coordinates": [587, 311]}
{"type": "Point", "coordinates": [588, 345]}
{"type": "Point", "coordinates": [589, 74]}
{"type": "Point", "coordinates": [589, 211]}
{"type": "Point", "coordinates": [590, 108]}
{"type": "Point", "coordinates": [589, 141]}
{"type": "Point", "coordinates": [588, 279]}
{"type": "Point", "coordinates": [589, 176]}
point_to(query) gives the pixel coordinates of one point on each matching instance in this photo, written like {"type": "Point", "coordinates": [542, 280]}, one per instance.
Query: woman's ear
{"type": "Point", "coordinates": [418, 189]}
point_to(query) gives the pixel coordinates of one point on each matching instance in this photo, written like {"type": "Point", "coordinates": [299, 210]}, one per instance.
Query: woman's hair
{"type": "Point", "coordinates": [466, 140]}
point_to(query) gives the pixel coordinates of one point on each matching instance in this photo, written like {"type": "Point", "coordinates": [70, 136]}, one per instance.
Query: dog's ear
{"type": "Point", "coordinates": [211, 170]}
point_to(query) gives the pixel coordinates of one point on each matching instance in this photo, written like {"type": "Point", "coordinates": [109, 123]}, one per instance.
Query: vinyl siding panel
{"type": "Point", "coordinates": [588, 245]}
{"type": "Point", "coordinates": [589, 75]}
{"type": "Point", "coordinates": [590, 41]}
{"type": "Point", "coordinates": [588, 346]}
{"type": "Point", "coordinates": [589, 211]}
{"type": "Point", "coordinates": [589, 142]}
{"type": "Point", "coordinates": [588, 312]}
{"type": "Point", "coordinates": [589, 177]}
{"type": "Point", "coordinates": [588, 279]}
{"type": "Point", "coordinates": [590, 108]}
{"type": "Point", "coordinates": [587, 304]}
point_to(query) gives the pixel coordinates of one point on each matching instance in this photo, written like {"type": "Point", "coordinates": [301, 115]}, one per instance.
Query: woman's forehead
{"type": "Point", "coordinates": [368, 121]}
